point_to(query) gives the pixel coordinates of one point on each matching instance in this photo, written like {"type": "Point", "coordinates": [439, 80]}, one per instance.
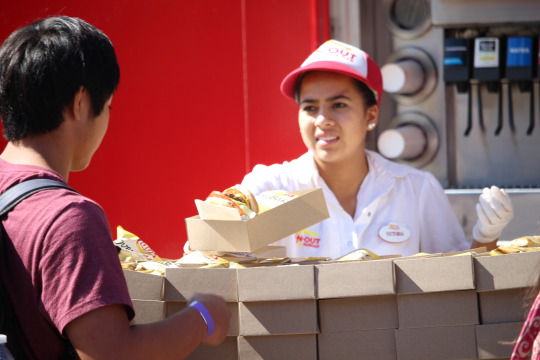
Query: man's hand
{"type": "Point", "coordinates": [221, 316]}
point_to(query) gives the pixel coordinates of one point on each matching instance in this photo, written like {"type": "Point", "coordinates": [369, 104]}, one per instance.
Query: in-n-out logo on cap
{"type": "Point", "coordinates": [334, 50]}
{"type": "Point", "coordinates": [336, 56]}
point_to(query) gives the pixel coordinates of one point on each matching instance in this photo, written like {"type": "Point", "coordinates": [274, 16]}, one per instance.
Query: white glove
{"type": "Point", "coordinates": [494, 210]}
{"type": "Point", "coordinates": [187, 249]}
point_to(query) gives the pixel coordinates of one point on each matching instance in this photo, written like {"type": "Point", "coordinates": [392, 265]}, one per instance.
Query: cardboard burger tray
{"type": "Point", "coordinates": [250, 235]}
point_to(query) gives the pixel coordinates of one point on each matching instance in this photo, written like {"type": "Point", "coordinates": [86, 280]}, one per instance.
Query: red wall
{"type": "Point", "coordinates": [198, 103]}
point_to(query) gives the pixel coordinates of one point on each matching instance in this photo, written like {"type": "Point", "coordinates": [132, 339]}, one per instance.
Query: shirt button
{"type": "Point", "coordinates": [349, 243]}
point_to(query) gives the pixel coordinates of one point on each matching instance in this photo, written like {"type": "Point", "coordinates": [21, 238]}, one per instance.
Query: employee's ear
{"type": "Point", "coordinates": [372, 115]}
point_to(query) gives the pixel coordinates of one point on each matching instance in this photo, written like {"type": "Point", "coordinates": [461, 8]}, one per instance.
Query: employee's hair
{"type": "Point", "coordinates": [44, 64]}
{"type": "Point", "coordinates": [362, 88]}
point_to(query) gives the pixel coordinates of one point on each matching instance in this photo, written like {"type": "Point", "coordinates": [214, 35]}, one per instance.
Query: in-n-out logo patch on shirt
{"type": "Point", "coordinates": [307, 238]}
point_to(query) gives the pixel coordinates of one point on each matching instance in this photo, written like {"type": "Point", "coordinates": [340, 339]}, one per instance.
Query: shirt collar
{"type": "Point", "coordinates": [382, 171]}
{"type": "Point", "coordinates": [384, 167]}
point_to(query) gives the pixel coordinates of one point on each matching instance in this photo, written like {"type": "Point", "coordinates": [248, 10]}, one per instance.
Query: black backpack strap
{"type": "Point", "coordinates": [15, 194]}
{"type": "Point", "coordinates": [8, 321]}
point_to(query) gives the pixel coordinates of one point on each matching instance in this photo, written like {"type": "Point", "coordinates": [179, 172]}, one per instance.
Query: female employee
{"type": "Point", "coordinates": [374, 204]}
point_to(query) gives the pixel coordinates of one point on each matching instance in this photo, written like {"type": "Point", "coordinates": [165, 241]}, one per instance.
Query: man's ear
{"type": "Point", "coordinates": [75, 109]}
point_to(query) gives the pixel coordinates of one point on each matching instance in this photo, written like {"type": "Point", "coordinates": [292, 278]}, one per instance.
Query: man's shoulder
{"type": "Point", "coordinates": [49, 204]}
{"type": "Point", "coordinates": [12, 174]}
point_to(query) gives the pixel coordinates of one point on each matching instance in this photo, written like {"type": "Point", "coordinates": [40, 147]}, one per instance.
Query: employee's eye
{"type": "Point", "coordinates": [309, 108]}
{"type": "Point", "coordinates": [339, 105]}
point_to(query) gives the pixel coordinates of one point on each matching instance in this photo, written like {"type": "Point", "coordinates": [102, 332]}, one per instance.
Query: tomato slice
{"type": "Point", "coordinates": [228, 199]}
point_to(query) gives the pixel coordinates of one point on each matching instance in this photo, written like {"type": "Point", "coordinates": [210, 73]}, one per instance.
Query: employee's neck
{"type": "Point", "coordinates": [345, 179]}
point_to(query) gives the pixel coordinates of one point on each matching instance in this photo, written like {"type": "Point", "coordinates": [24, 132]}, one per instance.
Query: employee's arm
{"type": "Point", "coordinates": [105, 333]}
{"type": "Point", "coordinates": [489, 245]}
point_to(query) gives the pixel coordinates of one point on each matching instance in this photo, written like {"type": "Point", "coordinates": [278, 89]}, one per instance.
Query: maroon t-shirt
{"type": "Point", "coordinates": [62, 262]}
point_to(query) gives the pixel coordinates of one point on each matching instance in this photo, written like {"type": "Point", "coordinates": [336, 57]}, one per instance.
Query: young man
{"type": "Point", "coordinates": [57, 78]}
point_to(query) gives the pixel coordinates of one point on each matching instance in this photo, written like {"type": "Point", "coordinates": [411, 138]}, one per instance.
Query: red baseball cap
{"type": "Point", "coordinates": [342, 58]}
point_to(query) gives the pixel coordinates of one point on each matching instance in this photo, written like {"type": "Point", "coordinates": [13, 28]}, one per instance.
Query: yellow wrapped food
{"type": "Point", "coordinates": [132, 247]}
{"type": "Point", "coordinates": [519, 245]}
{"type": "Point", "coordinates": [360, 254]}
{"type": "Point", "coordinates": [501, 250]}
{"type": "Point", "coordinates": [270, 199]}
{"type": "Point", "coordinates": [526, 241]}
{"type": "Point", "coordinates": [201, 259]}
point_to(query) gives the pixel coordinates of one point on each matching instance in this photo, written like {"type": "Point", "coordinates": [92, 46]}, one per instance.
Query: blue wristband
{"type": "Point", "coordinates": [205, 315]}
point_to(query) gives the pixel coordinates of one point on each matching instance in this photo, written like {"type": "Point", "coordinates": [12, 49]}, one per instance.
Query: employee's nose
{"type": "Point", "coordinates": [322, 120]}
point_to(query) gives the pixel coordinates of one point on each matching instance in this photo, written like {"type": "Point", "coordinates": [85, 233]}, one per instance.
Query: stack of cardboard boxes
{"type": "Point", "coordinates": [181, 284]}
{"type": "Point", "coordinates": [146, 292]}
{"type": "Point", "coordinates": [504, 285]}
{"type": "Point", "coordinates": [442, 306]}
{"type": "Point", "coordinates": [278, 312]}
{"type": "Point", "coordinates": [357, 310]}
{"type": "Point", "coordinates": [438, 307]}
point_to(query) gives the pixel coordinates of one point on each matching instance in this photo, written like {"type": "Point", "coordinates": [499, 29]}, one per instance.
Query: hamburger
{"type": "Point", "coordinates": [241, 194]}
{"type": "Point", "coordinates": [237, 197]}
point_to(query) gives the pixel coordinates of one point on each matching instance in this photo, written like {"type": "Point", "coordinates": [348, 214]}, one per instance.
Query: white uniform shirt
{"type": "Point", "coordinates": [400, 210]}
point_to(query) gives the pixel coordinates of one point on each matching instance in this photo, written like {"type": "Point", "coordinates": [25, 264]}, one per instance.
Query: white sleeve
{"type": "Point", "coordinates": [440, 228]}
{"type": "Point", "coordinates": [264, 178]}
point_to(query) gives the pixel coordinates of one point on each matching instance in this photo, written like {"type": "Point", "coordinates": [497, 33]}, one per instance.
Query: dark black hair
{"type": "Point", "coordinates": [44, 64]}
{"type": "Point", "coordinates": [363, 89]}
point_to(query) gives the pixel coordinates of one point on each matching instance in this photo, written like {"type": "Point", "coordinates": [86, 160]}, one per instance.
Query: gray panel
{"type": "Point", "coordinates": [526, 204]}
{"type": "Point", "coordinates": [510, 159]}
{"type": "Point", "coordinates": [474, 12]}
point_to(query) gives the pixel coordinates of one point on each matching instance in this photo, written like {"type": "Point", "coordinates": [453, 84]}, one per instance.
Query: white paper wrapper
{"type": "Point", "coordinates": [209, 211]}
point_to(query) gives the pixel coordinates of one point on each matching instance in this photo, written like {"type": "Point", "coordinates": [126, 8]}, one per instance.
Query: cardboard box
{"type": "Point", "coordinates": [278, 317]}
{"type": "Point", "coordinates": [298, 347]}
{"type": "Point", "coordinates": [286, 282]}
{"type": "Point", "coordinates": [436, 343]}
{"type": "Point", "coordinates": [508, 271]}
{"type": "Point", "coordinates": [236, 235]}
{"type": "Point", "coordinates": [268, 252]}
{"type": "Point", "coordinates": [433, 274]}
{"type": "Point", "coordinates": [355, 278]}
{"type": "Point", "coordinates": [497, 341]}
{"type": "Point", "coordinates": [504, 306]}
{"type": "Point", "coordinates": [142, 286]}
{"type": "Point", "coordinates": [227, 350]}
{"type": "Point", "coordinates": [182, 283]}
{"type": "Point", "coordinates": [367, 344]}
{"type": "Point", "coordinates": [148, 311]}
{"type": "Point", "coordinates": [358, 313]}
{"type": "Point", "coordinates": [172, 307]}
{"type": "Point", "coordinates": [438, 309]}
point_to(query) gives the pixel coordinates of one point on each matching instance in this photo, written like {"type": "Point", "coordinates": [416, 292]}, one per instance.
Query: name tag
{"type": "Point", "coordinates": [394, 233]}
